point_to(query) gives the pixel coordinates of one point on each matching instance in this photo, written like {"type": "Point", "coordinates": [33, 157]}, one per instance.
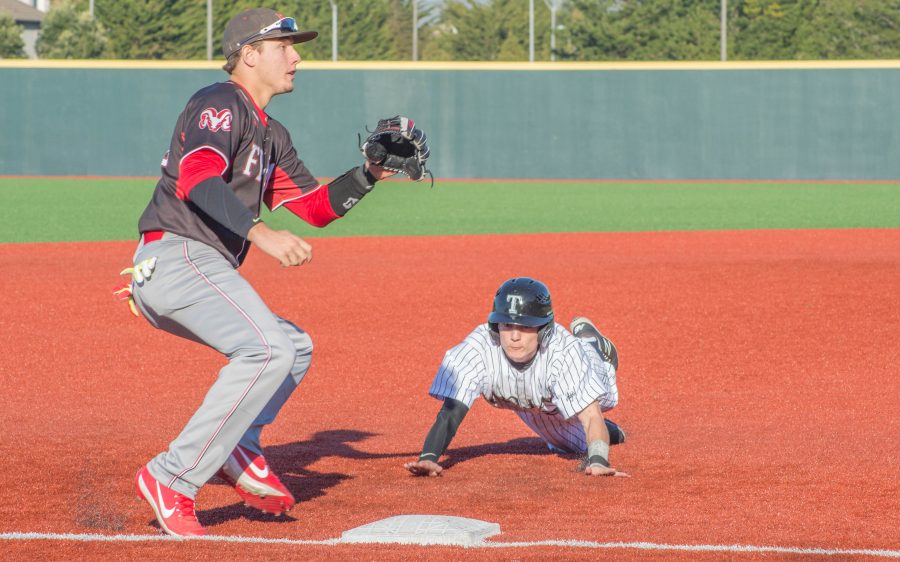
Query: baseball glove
{"type": "Point", "coordinates": [398, 145]}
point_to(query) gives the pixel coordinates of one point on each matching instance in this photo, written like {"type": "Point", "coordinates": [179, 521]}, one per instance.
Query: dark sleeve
{"type": "Point", "coordinates": [443, 430]}
{"type": "Point", "coordinates": [216, 199]}
{"type": "Point", "coordinates": [346, 190]}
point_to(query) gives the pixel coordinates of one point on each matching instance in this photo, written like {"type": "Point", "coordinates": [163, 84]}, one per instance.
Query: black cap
{"type": "Point", "coordinates": [247, 26]}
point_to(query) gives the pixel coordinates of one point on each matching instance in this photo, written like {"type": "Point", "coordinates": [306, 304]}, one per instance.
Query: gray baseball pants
{"type": "Point", "coordinates": [195, 293]}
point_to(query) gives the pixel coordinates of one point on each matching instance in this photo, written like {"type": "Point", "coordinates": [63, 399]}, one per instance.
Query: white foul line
{"type": "Point", "coordinates": [87, 537]}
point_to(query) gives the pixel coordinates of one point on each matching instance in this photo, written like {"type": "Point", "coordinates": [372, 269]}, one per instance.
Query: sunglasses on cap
{"type": "Point", "coordinates": [288, 25]}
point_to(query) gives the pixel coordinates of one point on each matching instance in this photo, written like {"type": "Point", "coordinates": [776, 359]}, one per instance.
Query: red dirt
{"type": "Point", "coordinates": [758, 387]}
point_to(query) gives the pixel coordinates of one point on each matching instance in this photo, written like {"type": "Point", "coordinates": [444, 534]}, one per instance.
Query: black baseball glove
{"type": "Point", "coordinates": [398, 145]}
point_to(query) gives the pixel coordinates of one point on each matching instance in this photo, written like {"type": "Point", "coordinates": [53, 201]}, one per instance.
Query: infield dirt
{"type": "Point", "coordinates": [758, 389]}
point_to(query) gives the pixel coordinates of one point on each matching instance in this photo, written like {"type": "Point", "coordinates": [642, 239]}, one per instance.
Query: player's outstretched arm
{"type": "Point", "coordinates": [439, 437]}
{"type": "Point", "coordinates": [597, 437]}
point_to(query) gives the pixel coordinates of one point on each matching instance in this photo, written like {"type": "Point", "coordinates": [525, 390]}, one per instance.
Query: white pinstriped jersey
{"type": "Point", "coordinates": [566, 375]}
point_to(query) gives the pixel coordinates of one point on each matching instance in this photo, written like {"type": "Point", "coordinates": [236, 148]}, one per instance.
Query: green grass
{"type": "Point", "coordinates": [64, 209]}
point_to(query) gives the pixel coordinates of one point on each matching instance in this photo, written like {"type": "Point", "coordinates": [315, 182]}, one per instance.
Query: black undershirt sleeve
{"type": "Point", "coordinates": [443, 430]}
{"type": "Point", "coordinates": [346, 190]}
{"type": "Point", "coordinates": [217, 200]}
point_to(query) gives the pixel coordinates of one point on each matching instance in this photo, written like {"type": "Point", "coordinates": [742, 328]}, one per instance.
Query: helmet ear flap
{"type": "Point", "coordinates": [494, 331]}
{"type": "Point", "coordinates": [495, 336]}
{"type": "Point", "coordinates": [545, 332]}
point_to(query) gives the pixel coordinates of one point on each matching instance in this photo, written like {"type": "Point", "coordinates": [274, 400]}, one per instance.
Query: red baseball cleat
{"type": "Point", "coordinates": [174, 511]}
{"type": "Point", "coordinates": [256, 482]}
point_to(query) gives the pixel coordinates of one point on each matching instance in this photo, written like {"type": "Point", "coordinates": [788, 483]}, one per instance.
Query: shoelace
{"type": "Point", "coordinates": [185, 506]}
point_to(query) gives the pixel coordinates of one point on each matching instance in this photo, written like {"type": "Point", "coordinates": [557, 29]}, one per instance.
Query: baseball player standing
{"type": "Point", "coordinates": [558, 383]}
{"type": "Point", "coordinates": [227, 157]}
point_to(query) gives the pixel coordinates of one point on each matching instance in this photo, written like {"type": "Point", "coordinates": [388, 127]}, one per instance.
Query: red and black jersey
{"type": "Point", "coordinates": [223, 132]}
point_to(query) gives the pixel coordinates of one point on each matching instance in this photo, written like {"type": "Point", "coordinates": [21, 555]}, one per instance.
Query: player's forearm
{"type": "Point", "coordinates": [597, 431]}
{"type": "Point", "coordinates": [443, 430]}
{"type": "Point", "coordinates": [596, 435]}
{"type": "Point", "coordinates": [347, 190]}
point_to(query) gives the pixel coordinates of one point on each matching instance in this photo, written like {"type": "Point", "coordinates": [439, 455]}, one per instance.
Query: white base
{"type": "Point", "coordinates": [423, 529]}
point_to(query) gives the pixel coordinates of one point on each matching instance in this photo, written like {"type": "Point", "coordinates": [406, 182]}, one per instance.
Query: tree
{"type": "Point", "coordinates": [765, 29]}
{"type": "Point", "coordinates": [641, 30]}
{"type": "Point", "coordinates": [176, 29]}
{"type": "Point", "coordinates": [155, 29]}
{"type": "Point", "coordinates": [677, 30]}
{"type": "Point", "coordinates": [816, 30]}
{"type": "Point", "coordinates": [70, 33]}
{"type": "Point", "coordinates": [11, 44]}
{"type": "Point", "coordinates": [489, 30]}
{"type": "Point", "coordinates": [849, 29]}
{"type": "Point", "coordinates": [367, 29]}
{"type": "Point", "coordinates": [592, 31]}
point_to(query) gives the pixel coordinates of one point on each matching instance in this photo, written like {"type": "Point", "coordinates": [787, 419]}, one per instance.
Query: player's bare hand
{"type": "Point", "coordinates": [424, 468]}
{"type": "Point", "coordinates": [600, 470]}
{"type": "Point", "coordinates": [285, 246]}
{"type": "Point", "coordinates": [377, 171]}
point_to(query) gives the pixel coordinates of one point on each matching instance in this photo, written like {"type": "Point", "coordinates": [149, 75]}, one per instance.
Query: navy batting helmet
{"type": "Point", "coordinates": [524, 302]}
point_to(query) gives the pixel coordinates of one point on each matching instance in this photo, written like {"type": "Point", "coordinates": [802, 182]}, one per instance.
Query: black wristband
{"type": "Point", "coordinates": [598, 459]}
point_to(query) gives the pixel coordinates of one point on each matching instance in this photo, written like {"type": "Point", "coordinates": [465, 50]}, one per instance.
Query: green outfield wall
{"type": "Point", "coordinates": [796, 121]}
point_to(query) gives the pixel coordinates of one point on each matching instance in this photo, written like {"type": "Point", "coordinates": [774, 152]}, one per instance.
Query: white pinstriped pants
{"type": "Point", "coordinates": [565, 435]}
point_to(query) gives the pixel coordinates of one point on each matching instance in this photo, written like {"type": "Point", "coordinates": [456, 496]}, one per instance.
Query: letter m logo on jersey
{"type": "Point", "coordinates": [214, 120]}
